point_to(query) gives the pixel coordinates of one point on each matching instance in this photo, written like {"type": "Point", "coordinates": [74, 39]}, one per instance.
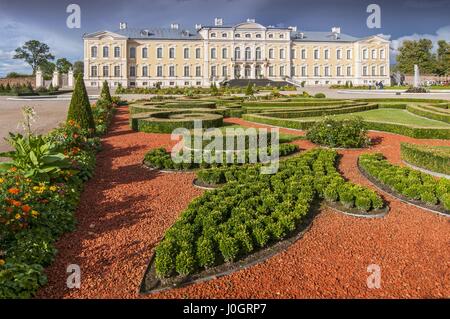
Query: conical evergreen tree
{"type": "Point", "coordinates": [249, 91]}
{"type": "Point", "coordinates": [80, 108]}
{"type": "Point", "coordinates": [105, 95]}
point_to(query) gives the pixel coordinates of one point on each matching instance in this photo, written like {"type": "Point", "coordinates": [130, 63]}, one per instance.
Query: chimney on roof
{"type": "Point", "coordinates": [174, 26]}
{"type": "Point", "coordinates": [336, 30]}
{"type": "Point", "coordinates": [198, 26]}
{"type": "Point", "coordinates": [122, 25]}
{"type": "Point", "coordinates": [293, 28]}
{"type": "Point", "coordinates": [251, 20]}
{"type": "Point", "coordinates": [218, 22]}
{"type": "Point", "coordinates": [302, 35]}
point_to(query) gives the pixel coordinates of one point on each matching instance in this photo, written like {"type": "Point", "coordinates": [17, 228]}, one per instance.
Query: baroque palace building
{"type": "Point", "coordinates": [180, 57]}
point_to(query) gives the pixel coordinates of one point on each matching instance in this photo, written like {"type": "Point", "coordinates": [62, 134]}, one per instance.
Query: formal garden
{"type": "Point", "coordinates": [103, 191]}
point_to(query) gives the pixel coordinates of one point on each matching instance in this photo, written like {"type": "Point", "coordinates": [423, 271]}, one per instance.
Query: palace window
{"type": "Point", "coordinates": [271, 73]}
{"type": "Point", "coordinates": [382, 54]}
{"type": "Point", "coordinates": [316, 71]}
{"type": "Point", "coordinates": [224, 35]}
{"type": "Point", "coordinates": [117, 52]}
{"type": "Point", "coordinates": [248, 35]}
{"type": "Point", "coordinates": [327, 71]}
{"type": "Point", "coordinates": [327, 54]}
{"type": "Point", "coordinates": [293, 70]}
{"type": "Point", "coordinates": [198, 71]}
{"type": "Point", "coordinates": [93, 52]}
{"type": "Point", "coordinates": [213, 35]}
{"type": "Point", "coordinates": [132, 71]}
{"type": "Point", "coordinates": [105, 71]}
{"type": "Point", "coordinates": [171, 71]}
{"type": "Point", "coordinates": [365, 71]}
{"type": "Point", "coordinates": [224, 71]}
{"type": "Point", "coordinates": [145, 70]}
{"type": "Point", "coordinates": [281, 36]}
{"type": "Point", "coordinates": [339, 54]}
{"type": "Point", "coordinates": [349, 54]}
{"type": "Point", "coordinates": [258, 53]}
{"type": "Point", "coordinates": [171, 53]}
{"type": "Point", "coordinates": [382, 71]}
{"type": "Point", "coordinates": [186, 53]}
{"type": "Point", "coordinates": [282, 54]}
{"type": "Point", "coordinates": [117, 71]}
{"type": "Point", "coordinates": [271, 53]}
{"type": "Point", "coordinates": [133, 53]}
{"type": "Point", "coordinates": [349, 71]}
{"type": "Point", "coordinates": [303, 70]}
{"type": "Point", "coordinates": [213, 53]}
{"type": "Point", "coordinates": [365, 54]}
{"type": "Point", "coordinates": [316, 54]}
{"type": "Point", "coordinates": [213, 71]}
{"type": "Point", "coordinates": [224, 53]}
{"type": "Point", "coordinates": [303, 54]}
{"type": "Point", "coordinates": [237, 35]}
{"type": "Point", "coordinates": [93, 71]}
{"type": "Point", "coordinates": [293, 54]}
{"type": "Point", "coordinates": [282, 70]}
{"type": "Point", "coordinates": [144, 53]}
{"type": "Point", "coordinates": [338, 71]}
{"type": "Point", "coordinates": [186, 71]}
{"type": "Point", "coordinates": [159, 53]}
{"type": "Point", "coordinates": [197, 53]}
{"type": "Point", "coordinates": [374, 70]}
{"type": "Point", "coordinates": [258, 36]}
{"type": "Point", "coordinates": [159, 71]}
{"type": "Point", "coordinates": [237, 53]}
{"type": "Point", "coordinates": [374, 54]}
{"type": "Point", "coordinates": [248, 53]}
{"type": "Point", "coordinates": [105, 51]}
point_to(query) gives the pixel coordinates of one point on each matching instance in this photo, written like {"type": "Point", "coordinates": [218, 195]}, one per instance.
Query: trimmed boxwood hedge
{"type": "Point", "coordinates": [434, 115]}
{"type": "Point", "coordinates": [161, 159]}
{"type": "Point", "coordinates": [410, 183]}
{"type": "Point", "coordinates": [433, 158]}
{"type": "Point", "coordinates": [253, 211]}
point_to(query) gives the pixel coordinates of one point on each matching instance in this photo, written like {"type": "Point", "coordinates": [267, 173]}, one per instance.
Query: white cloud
{"type": "Point", "coordinates": [14, 34]}
{"type": "Point", "coordinates": [442, 33]}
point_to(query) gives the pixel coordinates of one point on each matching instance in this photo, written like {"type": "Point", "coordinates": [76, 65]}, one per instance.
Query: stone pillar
{"type": "Point", "coordinates": [70, 78]}
{"type": "Point", "coordinates": [55, 79]}
{"type": "Point", "coordinates": [416, 76]}
{"type": "Point", "coordinates": [39, 78]}
{"type": "Point", "coordinates": [253, 71]}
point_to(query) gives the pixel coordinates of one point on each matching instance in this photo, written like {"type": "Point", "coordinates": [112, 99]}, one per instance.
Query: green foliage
{"type": "Point", "coordinates": [105, 95]}
{"type": "Point", "coordinates": [34, 53]}
{"type": "Point", "coordinates": [63, 65]}
{"type": "Point", "coordinates": [433, 158]}
{"type": "Point", "coordinates": [80, 108]}
{"type": "Point", "coordinates": [185, 262]}
{"type": "Point", "coordinates": [34, 157]}
{"type": "Point", "coordinates": [249, 90]}
{"type": "Point", "coordinates": [20, 280]}
{"type": "Point", "coordinates": [412, 184]}
{"type": "Point", "coordinates": [349, 133]}
{"type": "Point", "coordinates": [320, 96]}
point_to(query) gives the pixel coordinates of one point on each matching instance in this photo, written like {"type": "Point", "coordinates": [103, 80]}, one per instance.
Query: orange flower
{"type": "Point", "coordinates": [2, 262]}
{"type": "Point", "coordinates": [13, 169]}
{"type": "Point", "coordinates": [26, 208]}
{"type": "Point", "coordinates": [16, 203]}
{"type": "Point", "coordinates": [14, 191]}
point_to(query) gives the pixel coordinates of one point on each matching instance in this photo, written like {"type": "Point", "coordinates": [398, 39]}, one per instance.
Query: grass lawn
{"type": "Point", "coordinates": [391, 116]}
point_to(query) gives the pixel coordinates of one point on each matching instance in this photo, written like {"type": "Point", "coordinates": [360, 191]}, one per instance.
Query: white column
{"type": "Point", "coordinates": [70, 78]}
{"type": "Point", "coordinates": [55, 79]}
{"type": "Point", "coordinates": [39, 78]}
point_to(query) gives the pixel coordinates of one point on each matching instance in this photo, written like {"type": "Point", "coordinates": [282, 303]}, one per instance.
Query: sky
{"type": "Point", "coordinates": [45, 20]}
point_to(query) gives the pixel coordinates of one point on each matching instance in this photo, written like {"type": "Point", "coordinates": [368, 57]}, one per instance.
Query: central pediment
{"type": "Point", "coordinates": [249, 25]}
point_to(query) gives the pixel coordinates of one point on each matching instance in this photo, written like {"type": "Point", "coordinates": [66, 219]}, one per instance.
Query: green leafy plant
{"type": "Point", "coordinates": [80, 108]}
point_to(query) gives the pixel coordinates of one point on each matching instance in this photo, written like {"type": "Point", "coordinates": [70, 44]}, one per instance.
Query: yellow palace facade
{"type": "Point", "coordinates": [180, 57]}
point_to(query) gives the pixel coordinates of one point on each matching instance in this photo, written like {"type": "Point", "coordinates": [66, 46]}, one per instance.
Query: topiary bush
{"type": "Point", "coordinates": [105, 94]}
{"type": "Point", "coordinates": [80, 108]}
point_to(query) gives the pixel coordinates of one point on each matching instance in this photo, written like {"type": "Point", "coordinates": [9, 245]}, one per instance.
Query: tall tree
{"type": "Point", "coordinates": [443, 58]}
{"type": "Point", "coordinates": [416, 52]}
{"type": "Point", "coordinates": [78, 67]}
{"type": "Point", "coordinates": [34, 53]}
{"type": "Point", "coordinates": [80, 108]}
{"type": "Point", "coordinates": [47, 69]}
{"type": "Point", "coordinates": [63, 65]}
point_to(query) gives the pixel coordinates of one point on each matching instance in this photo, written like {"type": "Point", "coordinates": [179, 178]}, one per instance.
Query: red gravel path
{"type": "Point", "coordinates": [126, 209]}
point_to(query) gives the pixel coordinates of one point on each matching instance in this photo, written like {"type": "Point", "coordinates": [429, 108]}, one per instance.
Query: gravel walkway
{"type": "Point", "coordinates": [126, 209]}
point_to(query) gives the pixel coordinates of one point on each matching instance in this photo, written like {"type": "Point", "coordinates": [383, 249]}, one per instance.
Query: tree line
{"type": "Point", "coordinates": [37, 55]}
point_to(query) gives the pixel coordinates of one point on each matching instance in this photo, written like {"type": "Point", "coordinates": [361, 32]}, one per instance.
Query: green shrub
{"type": "Point", "coordinates": [206, 252]}
{"type": "Point", "coordinates": [345, 133]}
{"type": "Point", "coordinates": [185, 262]}
{"type": "Point", "coordinates": [319, 96]}
{"type": "Point", "coordinates": [80, 108]}
{"type": "Point", "coordinates": [229, 247]}
{"type": "Point", "coordinates": [363, 203]}
{"type": "Point", "coordinates": [165, 259]}
{"type": "Point", "coordinates": [433, 158]}
{"type": "Point", "coordinates": [20, 280]}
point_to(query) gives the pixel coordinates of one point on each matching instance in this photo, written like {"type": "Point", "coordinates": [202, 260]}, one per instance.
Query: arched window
{"type": "Point", "coordinates": [258, 53]}
{"type": "Point", "coordinates": [248, 53]}
{"type": "Point", "coordinates": [237, 53]}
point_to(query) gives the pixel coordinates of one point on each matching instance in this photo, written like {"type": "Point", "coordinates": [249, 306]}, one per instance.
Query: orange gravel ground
{"type": "Point", "coordinates": [125, 210]}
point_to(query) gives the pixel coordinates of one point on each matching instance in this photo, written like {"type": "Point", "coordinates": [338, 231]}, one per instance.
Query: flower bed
{"type": "Point", "coordinates": [433, 158]}
{"type": "Point", "coordinates": [416, 187]}
{"type": "Point", "coordinates": [252, 211]}
{"type": "Point", "coordinates": [39, 192]}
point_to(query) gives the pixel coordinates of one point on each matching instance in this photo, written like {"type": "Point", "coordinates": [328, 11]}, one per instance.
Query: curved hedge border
{"type": "Point", "coordinates": [409, 185]}
{"type": "Point", "coordinates": [433, 158]}
{"type": "Point", "coordinates": [167, 121]}
{"type": "Point", "coordinates": [429, 114]}
{"type": "Point", "coordinates": [341, 109]}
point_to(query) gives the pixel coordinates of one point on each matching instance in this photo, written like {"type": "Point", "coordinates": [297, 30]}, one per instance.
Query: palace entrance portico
{"type": "Point", "coordinates": [250, 70]}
